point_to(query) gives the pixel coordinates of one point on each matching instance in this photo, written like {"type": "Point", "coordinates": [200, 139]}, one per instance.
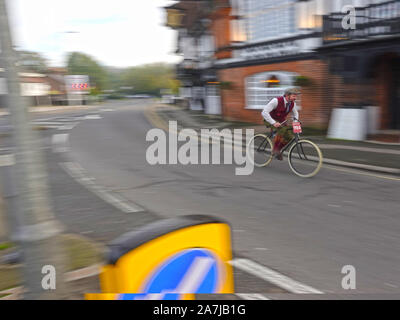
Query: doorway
{"type": "Point", "coordinates": [394, 101]}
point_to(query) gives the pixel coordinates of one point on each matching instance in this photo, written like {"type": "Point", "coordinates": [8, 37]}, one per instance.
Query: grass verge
{"type": "Point", "coordinates": [81, 253]}
{"type": "Point", "coordinates": [5, 245]}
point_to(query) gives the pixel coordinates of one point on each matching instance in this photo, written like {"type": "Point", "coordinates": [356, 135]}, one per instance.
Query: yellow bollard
{"type": "Point", "coordinates": [170, 259]}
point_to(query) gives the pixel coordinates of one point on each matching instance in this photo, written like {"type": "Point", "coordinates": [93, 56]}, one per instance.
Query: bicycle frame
{"type": "Point", "coordinates": [295, 139]}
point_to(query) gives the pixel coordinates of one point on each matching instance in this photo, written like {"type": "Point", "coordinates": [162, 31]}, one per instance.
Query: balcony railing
{"type": "Point", "coordinates": [382, 19]}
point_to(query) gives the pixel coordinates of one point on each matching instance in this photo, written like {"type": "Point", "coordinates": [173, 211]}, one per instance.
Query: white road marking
{"type": "Point", "coordinates": [252, 296]}
{"type": "Point", "coordinates": [93, 117]}
{"type": "Point", "coordinates": [57, 123]}
{"type": "Point", "coordinates": [47, 123]}
{"type": "Point", "coordinates": [60, 142]}
{"type": "Point", "coordinates": [390, 285]}
{"type": "Point", "coordinates": [274, 277]}
{"type": "Point", "coordinates": [362, 173]}
{"type": "Point", "coordinates": [68, 126]}
{"type": "Point", "coordinates": [86, 232]}
{"type": "Point", "coordinates": [78, 173]}
{"type": "Point", "coordinates": [7, 160]}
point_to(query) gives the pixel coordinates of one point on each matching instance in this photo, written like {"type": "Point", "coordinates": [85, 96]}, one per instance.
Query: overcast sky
{"type": "Point", "coordinates": [117, 33]}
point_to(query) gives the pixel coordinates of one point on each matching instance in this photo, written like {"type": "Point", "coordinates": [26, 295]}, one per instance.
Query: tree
{"type": "Point", "coordinates": [83, 64]}
{"type": "Point", "coordinates": [32, 61]}
{"type": "Point", "coordinates": [114, 78]}
{"type": "Point", "coordinates": [150, 78]}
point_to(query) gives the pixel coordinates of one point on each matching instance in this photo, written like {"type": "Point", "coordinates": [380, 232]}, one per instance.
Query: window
{"type": "Point", "coordinates": [238, 23]}
{"type": "Point", "coordinates": [270, 18]}
{"type": "Point", "coordinates": [307, 15]}
{"type": "Point", "coordinates": [263, 87]}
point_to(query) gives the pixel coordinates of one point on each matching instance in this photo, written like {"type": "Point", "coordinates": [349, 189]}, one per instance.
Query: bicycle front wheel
{"type": "Point", "coordinates": [305, 158]}
{"type": "Point", "coordinates": [259, 150]}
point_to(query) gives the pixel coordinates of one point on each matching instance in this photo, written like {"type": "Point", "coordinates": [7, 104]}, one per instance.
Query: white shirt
{"type": "Point", "coordinates": [272, 105]}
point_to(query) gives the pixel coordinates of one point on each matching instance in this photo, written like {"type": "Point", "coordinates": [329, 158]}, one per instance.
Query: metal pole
{"type": "Point", "coordinates": [7, 175]}
{"type": "Point", "coordinates": [38, 232]}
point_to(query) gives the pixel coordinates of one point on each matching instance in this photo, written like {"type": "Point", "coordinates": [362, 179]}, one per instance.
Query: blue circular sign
{"type": "Point", "coordinates": [189, 271]}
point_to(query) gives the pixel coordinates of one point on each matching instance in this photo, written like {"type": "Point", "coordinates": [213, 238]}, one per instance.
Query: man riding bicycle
{"type": "Point", "coordinates": [275, 114]}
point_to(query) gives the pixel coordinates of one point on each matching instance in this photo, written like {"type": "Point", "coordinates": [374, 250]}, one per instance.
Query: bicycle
{"type": "Point", "coordinates": [304, 156]}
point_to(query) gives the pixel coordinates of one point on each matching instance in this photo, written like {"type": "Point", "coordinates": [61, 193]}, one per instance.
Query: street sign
{"type": "Point", "coordinates": [296, 127]}
{"type": "Point", "coordinates": [169, 259]}
{"type": "Point", "coordinates": [77, 84]}
{"type": "Point", "coordinates": [190, 271]}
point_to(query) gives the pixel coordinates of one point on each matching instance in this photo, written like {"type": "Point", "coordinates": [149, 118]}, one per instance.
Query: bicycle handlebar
{"type": "Point", "coordinates": [293, 119]}
{"type": "Point", "coordinates": [297, 120]}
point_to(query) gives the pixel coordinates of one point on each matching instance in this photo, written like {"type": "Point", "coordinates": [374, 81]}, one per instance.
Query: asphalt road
{"type": "Point", "coordinates": [306, 229]}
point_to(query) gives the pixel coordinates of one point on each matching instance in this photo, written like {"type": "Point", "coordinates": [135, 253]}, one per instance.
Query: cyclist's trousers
{"type": "Point", "coordinates": [283, 136]}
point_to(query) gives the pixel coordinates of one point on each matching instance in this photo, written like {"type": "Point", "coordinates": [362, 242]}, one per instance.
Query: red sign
{"type": "Point", "coordinates": [296, 127]}
{"type": "Point", "coordinates": [79, 86]}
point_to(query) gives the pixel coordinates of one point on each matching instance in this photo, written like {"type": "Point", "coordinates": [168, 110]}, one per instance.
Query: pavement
{"type": "Point", "coordinates": [366, 155]}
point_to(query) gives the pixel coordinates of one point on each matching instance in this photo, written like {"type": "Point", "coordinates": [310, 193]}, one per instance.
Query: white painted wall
{"type": "Point", "coordinates": [213, 100]}
{"type": "Point", "coordinates": [348, 124]}
{"type": "Point", "coordinates": [27, 89]}
{"type": "Point", "coordinates": [34, 89]}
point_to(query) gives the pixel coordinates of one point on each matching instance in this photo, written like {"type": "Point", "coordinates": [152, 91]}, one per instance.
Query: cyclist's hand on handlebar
{"type": "Point", "coordinates": [277, 124]}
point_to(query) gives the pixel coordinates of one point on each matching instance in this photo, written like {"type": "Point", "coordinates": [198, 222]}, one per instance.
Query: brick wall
{"type": "Point", "coordinates": [220, 28]}
{"type": "Point", "coordinates": [315, 100]}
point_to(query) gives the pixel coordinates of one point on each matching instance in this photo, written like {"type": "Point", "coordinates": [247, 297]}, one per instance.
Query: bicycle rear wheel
{"type": "Point", "coordinates": [305, 158]}
{"type": "Point", "coordinates": [261, 146]}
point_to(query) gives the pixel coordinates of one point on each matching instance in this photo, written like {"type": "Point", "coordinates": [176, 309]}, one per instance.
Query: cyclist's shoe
{"type": "Point", "coordinates": [278, 156]}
